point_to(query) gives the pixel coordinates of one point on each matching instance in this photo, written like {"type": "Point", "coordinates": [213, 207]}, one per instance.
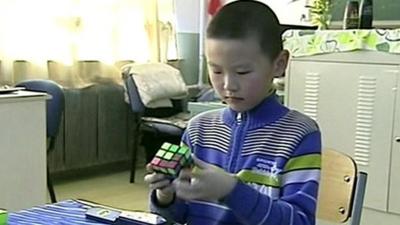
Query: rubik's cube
{"type": "Point", "coordinates": [170, 159]}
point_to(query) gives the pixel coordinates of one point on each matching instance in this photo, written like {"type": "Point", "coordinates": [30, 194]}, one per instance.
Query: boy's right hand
{"type": "Point", "coordinates": [162, 184]}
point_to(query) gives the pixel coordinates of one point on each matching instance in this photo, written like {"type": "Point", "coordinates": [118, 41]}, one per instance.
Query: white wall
{"type": "Point", "coordinates": [188, 16]}
{"type": "Point", "coordinates": [288, 11]}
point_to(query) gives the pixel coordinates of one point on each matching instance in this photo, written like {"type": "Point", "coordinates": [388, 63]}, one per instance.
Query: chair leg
{"type": "Point", "coordinates": [136, 138]}
{"type": "Point", "coordinates": [358, 198]}
{"type": "Point", "coordinates": [133, 164]}
{"type": "Point", "coordinates": [51, 188]}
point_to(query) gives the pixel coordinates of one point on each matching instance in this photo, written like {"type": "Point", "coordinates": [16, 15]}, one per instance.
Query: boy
{"type": "Point", "coordinates": [257, 161]}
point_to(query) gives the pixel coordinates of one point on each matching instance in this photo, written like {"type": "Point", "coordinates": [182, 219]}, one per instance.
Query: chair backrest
{"type": "Point", "coordinates": [136, 102]}
{"type": "Point", "coordinates": [342, 189]}
{"type": "Point", "coordinates": [54, 106]}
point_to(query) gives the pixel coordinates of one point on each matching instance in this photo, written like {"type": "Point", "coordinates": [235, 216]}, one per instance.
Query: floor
{"type": "Point", "coordinates": [111, 189]}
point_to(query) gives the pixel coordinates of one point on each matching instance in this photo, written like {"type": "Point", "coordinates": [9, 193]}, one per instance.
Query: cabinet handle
{"type": "Point", "coordinates": [397, 139]}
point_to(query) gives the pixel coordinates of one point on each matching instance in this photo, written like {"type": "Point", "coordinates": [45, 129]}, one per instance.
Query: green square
{"type": "Point", "coordinates": [187, 155]}
{"type": "Point", "coordinates": [160, 153]}
{"type": "Point", "coordinates": [157, 168]}
{"type": "Point", "coordinates": [183, 150]}
{"type": "Point", "coordinates": [166, 146]}
{"type": "Point", "coordinates": [174, 148]}
{"type": "Point", "coordinates": [168, 155]}
{"type": "Point", "coordinates": [182, 161]}
{"type": "Point", "coordinates": [172, 172]}
{"type": "Point", "coordinates": [163, 170]}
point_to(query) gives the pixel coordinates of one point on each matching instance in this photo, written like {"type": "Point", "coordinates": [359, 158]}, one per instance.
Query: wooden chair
{"type": "Point", "coordinates": [342, 189]}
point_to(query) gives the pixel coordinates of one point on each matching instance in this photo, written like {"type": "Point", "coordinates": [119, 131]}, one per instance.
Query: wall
{"type": "Point", "coordinates": [188, 29]}
{"type": "Point", "coordinates": [290, 12]}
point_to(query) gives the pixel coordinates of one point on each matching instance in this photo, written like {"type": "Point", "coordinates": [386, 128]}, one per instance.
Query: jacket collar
{"type": "Point", "coordinates": [268, 111]}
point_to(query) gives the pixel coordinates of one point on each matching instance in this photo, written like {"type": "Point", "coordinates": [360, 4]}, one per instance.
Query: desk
{"type": "Point", "coordinates": [22, 150]}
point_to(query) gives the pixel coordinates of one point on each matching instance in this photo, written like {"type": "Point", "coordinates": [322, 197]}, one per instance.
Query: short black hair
{"type": "Point", "coordinates": [247, 18]}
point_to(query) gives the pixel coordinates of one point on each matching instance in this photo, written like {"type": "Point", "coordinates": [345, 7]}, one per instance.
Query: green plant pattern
{"type": "Point", "coordinates": [312, 42]}
{"type": "Point", "coordinates": [320, 13]}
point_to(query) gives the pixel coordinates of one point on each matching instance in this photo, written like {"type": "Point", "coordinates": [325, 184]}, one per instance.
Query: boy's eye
{"type": "Point", "coordinates": [217, 72]}
{"type": "Point", "coordinates": [243, 72]}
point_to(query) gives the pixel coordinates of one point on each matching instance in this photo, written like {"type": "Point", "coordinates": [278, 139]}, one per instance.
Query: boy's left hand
{"type": "Point", "coordinates": [205, 182]}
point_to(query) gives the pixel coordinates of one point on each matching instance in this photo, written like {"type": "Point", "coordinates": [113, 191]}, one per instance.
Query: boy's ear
{"type": "Point", "coordinates": [280, 63]}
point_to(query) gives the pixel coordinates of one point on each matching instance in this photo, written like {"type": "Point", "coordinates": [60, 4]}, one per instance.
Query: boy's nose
{"type": "Point", "coordinates": [230, 83]}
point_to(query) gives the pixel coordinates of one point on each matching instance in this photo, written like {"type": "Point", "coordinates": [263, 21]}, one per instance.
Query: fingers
{"type": "Point", "coordinates": [185, 174]}
{"type": "Point", "coordinates": [168, 189]}
{"type": "Point", "coordinates": [187, 185]}
{"type": "Point", "coordinates": [162, 184]}
{"type": "Point", "coordinates": [154, 177]}
{"type": "Point", "coordinates": [157, 181]}
{"type": "Point", "coordinates": [184, 189]}
{"type": "Point", "coordinates": [149, 168]}
{"type": "Point", "coordinates": [182, 184]}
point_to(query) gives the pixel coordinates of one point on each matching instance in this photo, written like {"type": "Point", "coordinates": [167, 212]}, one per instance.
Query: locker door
{"type": "Point", "coordinates": [394, 193]}
{"type": "Point", "coordinates": [354, 106]}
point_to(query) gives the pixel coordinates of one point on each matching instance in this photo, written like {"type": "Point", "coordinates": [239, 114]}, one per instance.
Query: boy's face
{"type": "Point", "coordinates": [240, 72]}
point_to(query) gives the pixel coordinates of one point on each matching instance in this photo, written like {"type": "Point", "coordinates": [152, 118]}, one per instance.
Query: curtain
{"type": "Point", "coordinates": [81, 42]}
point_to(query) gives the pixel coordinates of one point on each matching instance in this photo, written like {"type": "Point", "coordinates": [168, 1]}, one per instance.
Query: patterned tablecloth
{"type": "Point", "coordinates": [62, 213]}
{"type": "Point", "coordinates": [312, 42]}
{"type": "Point", "coordinates": [69, 212]}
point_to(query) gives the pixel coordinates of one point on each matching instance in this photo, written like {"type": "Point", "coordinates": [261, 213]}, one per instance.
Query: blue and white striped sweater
{"type": "Point", "coordinates": [274, 152]}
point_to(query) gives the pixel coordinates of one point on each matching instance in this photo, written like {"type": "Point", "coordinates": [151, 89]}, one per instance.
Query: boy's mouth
{"type": "Point", "coordinates": [233, 98]}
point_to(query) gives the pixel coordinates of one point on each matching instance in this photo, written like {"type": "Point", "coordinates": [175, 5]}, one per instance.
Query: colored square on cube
{"type": "Point", "coordinates": [156, 161]}
{"type": "Point", "coordinates": [170, 159]}
{"type": "Point", "coordinates": [160, 153]}
{"type": "Point", "coordinates": [182, 151]}
{"type": "Point", "coordinates": [175, 148]}
{"type": "Point", "coordinates": [168, 155]}
{"type": "Point", "coordinates": [166, 145]}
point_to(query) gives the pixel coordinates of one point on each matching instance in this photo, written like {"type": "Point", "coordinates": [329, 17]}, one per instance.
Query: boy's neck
{"type": "Point", "coordinates": [271, 91]}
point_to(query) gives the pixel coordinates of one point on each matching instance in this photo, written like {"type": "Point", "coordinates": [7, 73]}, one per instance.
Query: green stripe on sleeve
{"type": "Point", "coordinates": [249, 176]}
{"type": "Point", "coordinates": [310, 161]}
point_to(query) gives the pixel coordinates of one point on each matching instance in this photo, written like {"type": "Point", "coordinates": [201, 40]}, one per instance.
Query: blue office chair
{"type": "Point", "coordinates": [54, 111]}
{"type": "Point", "coordinates": [158, 125]}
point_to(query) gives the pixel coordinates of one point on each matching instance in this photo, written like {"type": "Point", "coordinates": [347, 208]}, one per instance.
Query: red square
{"type": "Point", "coordinates": [155, 161]}
{"type": "Point", "coordinates": [165, 164]}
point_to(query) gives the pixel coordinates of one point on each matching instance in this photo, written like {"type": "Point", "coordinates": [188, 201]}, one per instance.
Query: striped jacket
{"type": "Point", "coordinates": [274, 152]}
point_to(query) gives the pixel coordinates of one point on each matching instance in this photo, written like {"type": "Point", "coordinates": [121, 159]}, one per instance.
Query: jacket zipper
{"type": "Point", "coordinates": [239, 118]}
{"type": "Point", "coordinates": [236, 143]}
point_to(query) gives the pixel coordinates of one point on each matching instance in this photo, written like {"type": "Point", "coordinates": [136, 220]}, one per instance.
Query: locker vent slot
{"type": "Point", "coordinates": [311, 92]}
{"type": "Point", "coordinates": [364, 119]}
